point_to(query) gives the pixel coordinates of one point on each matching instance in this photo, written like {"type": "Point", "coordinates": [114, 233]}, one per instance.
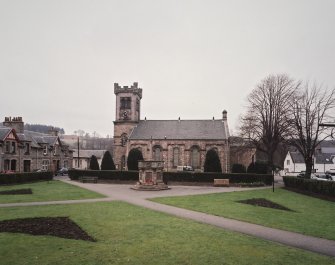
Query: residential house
{"type": "Point", "coordinates": [25, 151]}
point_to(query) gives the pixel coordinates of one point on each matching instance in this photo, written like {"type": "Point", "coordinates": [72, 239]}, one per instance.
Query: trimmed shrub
{"type": "Point", "coordinates": [212, 162]}
{"type": "Point", "coordinates": [15, 178]}
{"type": "Point", "coordinates": [238, 168]}
{"type": "Point", "coordinates": [134, 156]}
{"type": "Point", "coordinates": [311, 185]}
{"type": "Point", "coordinates": [209, 177]}
{"type": "Point", "coordinates": [94, 165]}
{"type": "Point", "coordinates": [257, 168]}
{"type": "Point", "coordinates": [107, 162]}
{"type": "Point", "coordinates": [75, 174]}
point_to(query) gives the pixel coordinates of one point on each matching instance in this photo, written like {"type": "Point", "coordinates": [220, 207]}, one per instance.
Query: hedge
{"type": "Point", "coordinates": [14, 178]}
{"type": "Point", "coordinates": [311, 185]}
{"type": "Point", "coordinates": [209, 177]}
{"type": "Point", "coordinates": [75, 174]}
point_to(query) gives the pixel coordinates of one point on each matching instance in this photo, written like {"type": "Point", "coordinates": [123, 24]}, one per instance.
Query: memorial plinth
{"type": "Point", "coordinates": [150, 176]}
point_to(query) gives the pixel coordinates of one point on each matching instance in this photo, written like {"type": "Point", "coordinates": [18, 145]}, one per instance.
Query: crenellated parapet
{"type": "Point", "coordinates": [126, 89]}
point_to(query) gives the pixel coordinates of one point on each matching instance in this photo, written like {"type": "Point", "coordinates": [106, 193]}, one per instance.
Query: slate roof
{"type": "Point", "coordinates": [3, 132]}
{"type": "Point", "coordinates": [180, 130]}
{"type": "Point", "coordinates": [319, 158]}
{"type": "Point", "coordinates": [35, 138]}
{"type": "Point", "coordinates": [88, 153]}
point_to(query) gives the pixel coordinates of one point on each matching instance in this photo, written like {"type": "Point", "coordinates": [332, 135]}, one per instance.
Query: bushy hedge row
{"type": "Point", "coordinates": [14, 178]}
{"type": "Point", "coordinates": [209, 177]}
{"type": "Point", "coordinates": [173, 176]}
{"type": "Point", "coordinates": [311, 185]}
{"type": "Point", "coordinates": [75, 174]}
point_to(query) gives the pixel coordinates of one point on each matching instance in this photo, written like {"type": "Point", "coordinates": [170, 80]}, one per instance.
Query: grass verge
{"type": "Point", "coordinates": [310, 216]}
{"type": "Point", "coordinates": [54, 190]}
{"type": "Point", "coordinates": [128, 234]}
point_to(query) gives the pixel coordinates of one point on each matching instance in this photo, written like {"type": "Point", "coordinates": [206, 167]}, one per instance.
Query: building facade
{"type": "Point", "coordinates": [83, 159]}
{"type": "Point", "coordinates": [176, 142]}
{"type": "Point", "coordinates": [324, 160]}
{"type": "Point", "coordinates": [26, 151]}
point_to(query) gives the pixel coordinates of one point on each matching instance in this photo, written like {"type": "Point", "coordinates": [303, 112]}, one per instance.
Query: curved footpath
{"type": "Point", "coordinates": [124, 193]}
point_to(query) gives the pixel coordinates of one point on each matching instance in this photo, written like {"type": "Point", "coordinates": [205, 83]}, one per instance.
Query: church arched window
{"type": "Point", "coordinates": [175, 156]}
{"type": "Point", "coordinates": [195, 157]}
{"type": "Point", "coordinates": [157, 156]}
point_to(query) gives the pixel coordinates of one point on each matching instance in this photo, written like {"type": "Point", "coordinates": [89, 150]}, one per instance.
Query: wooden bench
{"type": "Point", "coordinates": [221, 182]}
{"type": "Point", "coordinates": [88, 179]}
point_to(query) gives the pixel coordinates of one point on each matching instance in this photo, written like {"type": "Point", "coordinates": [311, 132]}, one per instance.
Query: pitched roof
{"type": "Point", "coordinates": [180, 130]}
{"type": "Point", "coordinates": [3, 132]}
{"type": "Point", "coordinates": [88, 153]}
{"type": "Point", "coordinates": [319, 158]}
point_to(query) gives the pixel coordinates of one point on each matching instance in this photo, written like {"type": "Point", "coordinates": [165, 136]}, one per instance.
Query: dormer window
{"type": "Point", "coordinates": [7, 147]}
{"type": "Point", "coordinates": [26, 148]}
{"type": "Point", "coordinates": [55, 150]}
{"type": "Point", "coordinates": [13, 148]}
{"type": "Point", "coordinates": [45, 150]}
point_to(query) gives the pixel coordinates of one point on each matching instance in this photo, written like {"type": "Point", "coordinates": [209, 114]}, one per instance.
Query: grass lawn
{"type": "Point", "coordinates": [311, 216]}
{"type": "Point", "coordinates": [54, 190]}
{"type": "Point", "coordinates": [128, 234]}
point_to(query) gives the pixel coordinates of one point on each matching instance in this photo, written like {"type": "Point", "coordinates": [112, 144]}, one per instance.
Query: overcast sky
{"type": "Point", "coordinates": [193, 59]}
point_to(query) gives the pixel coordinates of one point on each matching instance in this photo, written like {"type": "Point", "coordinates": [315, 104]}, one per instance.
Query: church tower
{"type": "Point", "coordinates": [127, 116]}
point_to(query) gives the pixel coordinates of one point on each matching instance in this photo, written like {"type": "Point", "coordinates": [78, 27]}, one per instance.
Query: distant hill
{"type": "Point", "coordinates": [42, 128]}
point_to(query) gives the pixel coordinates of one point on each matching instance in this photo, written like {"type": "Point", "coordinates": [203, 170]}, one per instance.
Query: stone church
{"type": "Point", "coordinates": [176, 142]}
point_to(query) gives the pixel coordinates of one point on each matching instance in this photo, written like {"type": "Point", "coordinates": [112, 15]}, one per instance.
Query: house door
{"type": "Point", "coordinates": [13, 165]}
{"type": "Point", "coordinates": [26, 165]}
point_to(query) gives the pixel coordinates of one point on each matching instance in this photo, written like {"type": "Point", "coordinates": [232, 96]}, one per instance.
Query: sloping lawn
{"type": "Point", "coordinates": [54, 190]}
{"type": "Point", "coordinates": [309, 215]}
{"type": "Point", "coordinates": [128, 234]}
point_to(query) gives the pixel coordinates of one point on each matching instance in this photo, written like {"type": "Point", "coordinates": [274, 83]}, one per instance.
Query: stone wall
{"type": "Point", "coordinates": [185, 147]}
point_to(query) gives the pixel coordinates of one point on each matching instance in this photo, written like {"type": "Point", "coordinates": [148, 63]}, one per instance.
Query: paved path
{"type": "Point", "coordinates": [124, 193]}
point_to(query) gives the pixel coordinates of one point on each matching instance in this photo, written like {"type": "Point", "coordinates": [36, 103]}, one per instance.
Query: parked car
{"type": "Point", "coordinates": [63, 171]}
{"type": "Point", "coordinates": [301, 174]}
{"type": "Point", "coordinates": [185, 168]}
{"type": "Point", "coordinates": [322, 177]}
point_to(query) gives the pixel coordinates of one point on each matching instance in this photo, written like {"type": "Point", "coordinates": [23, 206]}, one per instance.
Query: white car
{"type": "Point", "coordinates": [322, 177]}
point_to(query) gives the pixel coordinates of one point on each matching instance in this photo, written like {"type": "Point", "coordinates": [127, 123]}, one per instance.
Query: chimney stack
{"type": "Point", "coordinates": [15, 123]}
{"type": "Point", "coordinates": [224, 115]}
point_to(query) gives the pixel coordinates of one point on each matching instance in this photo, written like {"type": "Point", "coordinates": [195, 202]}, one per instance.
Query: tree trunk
{"type": "Point", "coordinates": [309, 166]}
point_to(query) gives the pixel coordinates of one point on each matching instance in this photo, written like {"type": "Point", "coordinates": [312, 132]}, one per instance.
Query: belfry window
{"type": "Point", "coordinates": [126, 103]}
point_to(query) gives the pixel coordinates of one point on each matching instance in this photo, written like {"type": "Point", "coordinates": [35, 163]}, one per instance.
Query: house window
{"type": "Point", "coordinates": [6, 164]}
{"type": "Point", "coordinates": [45, 165]}
{"type": "Point", "coordinates": [13, 148]}
{"type": "Point", "coordinates": [126, 103]}
{"type": "Point", "coordinates": [7, 147]}
{"type": "Point", "coordinates": [45, 150]}
{"type": "Point", "coordinates": [26, 148]}
{"type": "Point", "coordinates": [157, 153]}
{"type": "Point", "coordinates": [55, 150]}
{"type": "Point", "coordinates": [175, 156]}
{"type": "Point", "coordinates": [288, 162]}
{"type": "Point", "coordinates": [195, 157]}
{"type": "Point", "coordinates": [66, 164]}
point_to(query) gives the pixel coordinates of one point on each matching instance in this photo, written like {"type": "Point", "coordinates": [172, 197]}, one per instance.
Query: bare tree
{"type": "Point", "coordinates": [310, 108]}
{"type": "Point", "coordinates": [266, 122]}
